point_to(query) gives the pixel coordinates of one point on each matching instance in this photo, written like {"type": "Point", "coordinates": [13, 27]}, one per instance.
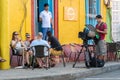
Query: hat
{"type": "Point", "coordinates": [99, 16]}
{"type": "Point", "coordinates": [40, 33]}
{"type": "Point", "coordinates": [27, 35]}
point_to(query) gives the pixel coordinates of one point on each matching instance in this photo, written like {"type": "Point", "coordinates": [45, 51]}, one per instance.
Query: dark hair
{"type": "Point", "coordinates": [99, 16]}
{"type": "Point", "coordinates": [46, 5]}
{"type": "Point", "coordinates": [13, 35]}
{"type": "Point", "coordinates": [49, 33]}
{"type": "Point", "coordinates": [27, 34]}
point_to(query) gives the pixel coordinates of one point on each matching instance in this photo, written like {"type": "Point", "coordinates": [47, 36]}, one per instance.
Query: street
{"type": "Point", "coordinates": [115, 75]}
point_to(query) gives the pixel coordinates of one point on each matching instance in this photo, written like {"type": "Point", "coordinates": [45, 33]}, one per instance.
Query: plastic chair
{"type": "Point", "coordinates": [40, 51]}
{"type": "Point", "coordinates": [13, 53]}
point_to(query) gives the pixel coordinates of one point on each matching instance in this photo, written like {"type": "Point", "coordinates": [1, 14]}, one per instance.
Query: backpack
{"type": "Point", "coordinates": [95, 62]}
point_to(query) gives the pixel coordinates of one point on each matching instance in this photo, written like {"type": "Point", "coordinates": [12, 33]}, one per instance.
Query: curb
{"type": "Point", "coordinates": [77, 75]}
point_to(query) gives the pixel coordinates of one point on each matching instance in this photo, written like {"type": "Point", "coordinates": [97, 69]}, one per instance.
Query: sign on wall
{"type": "Point", "coordinates": [70, 13]}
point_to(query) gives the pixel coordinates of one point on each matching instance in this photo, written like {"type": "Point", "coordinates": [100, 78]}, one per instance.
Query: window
{"type": "Point", "coordinates": [92, 9]}
{"type": "Point", "coordinates": [116, 20]}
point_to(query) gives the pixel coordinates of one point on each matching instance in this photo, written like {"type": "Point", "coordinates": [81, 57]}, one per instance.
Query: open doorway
{"type": "Point", "coordinates": [39, 6]}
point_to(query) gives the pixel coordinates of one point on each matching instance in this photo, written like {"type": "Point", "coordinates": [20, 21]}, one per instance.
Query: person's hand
{"type": "Point", "coordinates": [52, 27]}
{"type": "Point", "coordinates": [97, 30]}
{"type": "Point", "coordinates": [17, 40]}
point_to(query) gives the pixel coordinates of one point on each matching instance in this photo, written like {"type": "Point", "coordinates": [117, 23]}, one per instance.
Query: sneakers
{"type": "Point", "coordinates": [27, 65]}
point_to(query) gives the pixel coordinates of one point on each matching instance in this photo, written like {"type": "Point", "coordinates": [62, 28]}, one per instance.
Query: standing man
{"type": "Point", "coordinates": [101, 29]}
{"type": "Point", "coordinates": [46, 18]}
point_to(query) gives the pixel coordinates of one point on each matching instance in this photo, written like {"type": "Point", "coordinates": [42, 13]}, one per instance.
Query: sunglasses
{"type": "Point", "coordinates": [16, 34]}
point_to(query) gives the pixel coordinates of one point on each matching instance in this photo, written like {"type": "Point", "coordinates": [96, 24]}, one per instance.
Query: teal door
{"type": "Point", "coordinates": [40, 5]}
{"type": "Point", "coordinates": [92, 9]}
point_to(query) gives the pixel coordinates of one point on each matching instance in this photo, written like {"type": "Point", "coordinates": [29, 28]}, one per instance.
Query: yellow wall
{"type": "Point", "coordinates": [4, 48]}
{"type": "Point", "coordinates": [11, 16]}
{"type": "Point", "coordinates": [16, 15]}
{"type": "Point", "coordinates": [103, 10]}
{"type": "Point", "coordinates": [68, 30]}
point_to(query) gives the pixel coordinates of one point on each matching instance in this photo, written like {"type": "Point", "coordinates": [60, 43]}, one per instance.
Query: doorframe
{"type": "Point", "coordinates": [56, 31]}
{"type": "Point", "coordinates": [32, 18]}
{"type": "Point", "coordinates": [35, 14]}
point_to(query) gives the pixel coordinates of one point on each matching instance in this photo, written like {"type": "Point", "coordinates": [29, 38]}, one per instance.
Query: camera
{"type": "Point", "coordinates": [88, 33]}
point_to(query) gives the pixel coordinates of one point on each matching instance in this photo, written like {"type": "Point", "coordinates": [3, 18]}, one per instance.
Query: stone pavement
{"type": "Point", "coordinates": [57, 73]}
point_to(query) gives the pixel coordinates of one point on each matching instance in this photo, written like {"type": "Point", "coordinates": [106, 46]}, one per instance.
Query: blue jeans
{"type": "Point", "coordinates": [44, 31]}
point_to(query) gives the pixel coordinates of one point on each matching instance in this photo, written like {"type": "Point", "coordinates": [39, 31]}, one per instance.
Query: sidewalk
{"type": "Point", "coordinates": [56, 73]}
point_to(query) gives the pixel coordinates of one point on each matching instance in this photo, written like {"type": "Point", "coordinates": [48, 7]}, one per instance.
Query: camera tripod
{"type": "Point", "coordinates": [87, 54]}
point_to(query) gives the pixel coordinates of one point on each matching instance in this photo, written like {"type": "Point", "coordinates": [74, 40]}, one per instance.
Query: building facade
{"type": "Point", "coordinates": [70, 17]}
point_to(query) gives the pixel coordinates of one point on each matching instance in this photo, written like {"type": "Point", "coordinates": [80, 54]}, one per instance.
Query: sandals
{"type": "Point", "coordinates": [2, 60]}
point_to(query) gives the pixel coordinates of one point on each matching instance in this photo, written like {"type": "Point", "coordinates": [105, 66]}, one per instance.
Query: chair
{"type": "Point", "coordinates": [58, 53]}
{"type": "Point", "coordinates": [113, 50]}
{"type": "Point", "coordinates": [40, 51]}
{"type": "Point", "coordinates": [19, 57]}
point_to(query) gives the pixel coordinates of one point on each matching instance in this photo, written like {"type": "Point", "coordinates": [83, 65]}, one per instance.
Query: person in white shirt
{"type": "Point", "coordinates": [46, 18]}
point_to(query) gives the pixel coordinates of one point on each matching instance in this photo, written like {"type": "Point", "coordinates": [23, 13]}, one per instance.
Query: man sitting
{"type": "Point", "coordinates": [40, 41]}
{"type": "Point", "coordinates": [56, 48]}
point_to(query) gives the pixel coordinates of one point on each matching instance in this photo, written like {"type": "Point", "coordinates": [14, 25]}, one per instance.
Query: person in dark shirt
{"type": "Point", "coordinates": [54, 43]}
{"type": "Point", "coordinates": [56, 48]}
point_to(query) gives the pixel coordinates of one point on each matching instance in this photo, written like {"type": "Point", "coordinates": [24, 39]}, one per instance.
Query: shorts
{"type": "Point", "coordinates": [55, 52]}
{"type": "Point", "coordinates": [101, 48]}
{"type": "Point", "coordinates": [19, 51]}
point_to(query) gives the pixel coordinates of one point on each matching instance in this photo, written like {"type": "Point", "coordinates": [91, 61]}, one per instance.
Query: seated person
{"type": "Point", "coordinates": [27, 50]}
{"type": "Point", "coordinates": [18, 45]}
{"type": "Point", "coordinates": [56, 48]}
{"type": "Point", "coordinates": [27, 41]}
{"type": "Point", "coordinates": [39, 41]}
{"type": "Point", "coordinates": [2, 60]}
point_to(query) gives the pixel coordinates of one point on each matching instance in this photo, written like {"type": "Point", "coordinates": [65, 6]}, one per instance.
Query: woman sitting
{"type": "Point", "coordinates": [27, 50]}
{"type": "Point", "coordinates": [18, 46]}
{"type": "Point", "coordinates": [27, 41]}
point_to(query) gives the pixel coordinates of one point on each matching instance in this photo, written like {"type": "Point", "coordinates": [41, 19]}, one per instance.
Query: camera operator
{"type": "Point", "coordinates": [101, 30]}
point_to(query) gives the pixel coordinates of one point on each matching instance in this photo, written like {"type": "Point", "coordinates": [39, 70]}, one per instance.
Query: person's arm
{"type": "Point", "coordinates": [13, 43]}
{"type": "Point", "coordinates": [52, 23]}
{"type": "Point", "coordinates": [105, 29]}
{"type": "Point", "coordinates": [103, 32]}
{"type": "Point", "coordinates": [40, 17]}
{"type": "Point", "coordinates": [46, 44]}
{"type": "Point", "coordinates": [51, 20]}
{"type": "Point", "coordinates": [49, 40]}
{"type": "Point", "coordinates": [23, 45]}
{"type": "Point", "coordinates": [32, 44]}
